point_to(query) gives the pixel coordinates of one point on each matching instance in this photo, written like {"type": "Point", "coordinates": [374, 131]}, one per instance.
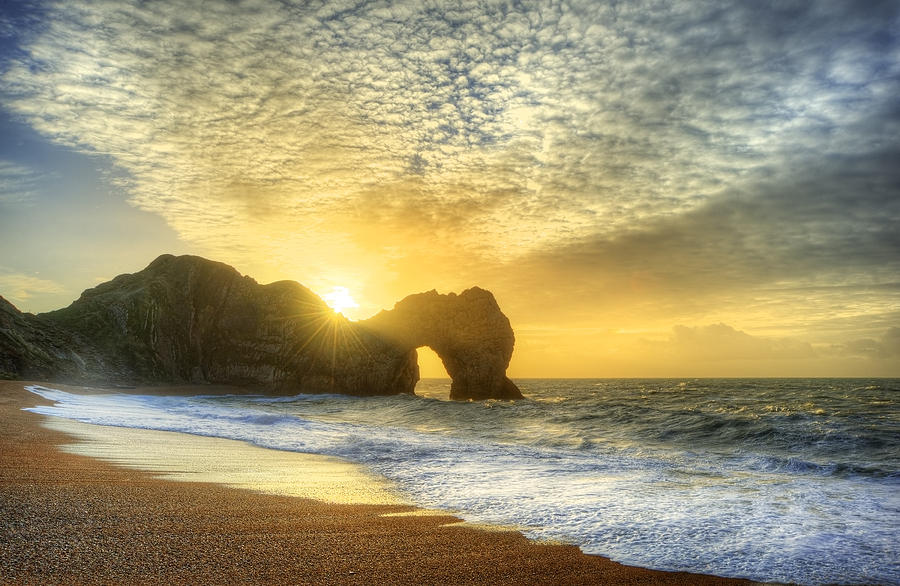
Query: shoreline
{"type": "Point", "coordinates": [73, 518]}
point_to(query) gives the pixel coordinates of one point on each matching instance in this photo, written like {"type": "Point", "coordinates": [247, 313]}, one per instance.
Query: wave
{"type": "Point", "coordinates": [695, 477]}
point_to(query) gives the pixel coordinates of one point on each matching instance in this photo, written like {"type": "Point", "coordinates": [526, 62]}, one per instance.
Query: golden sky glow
{"type": "Point", "coordinates": [663, 188]}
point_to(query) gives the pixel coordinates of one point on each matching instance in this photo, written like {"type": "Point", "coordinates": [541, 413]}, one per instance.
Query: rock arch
{"type": "Point", "coordinates": [467, 331]}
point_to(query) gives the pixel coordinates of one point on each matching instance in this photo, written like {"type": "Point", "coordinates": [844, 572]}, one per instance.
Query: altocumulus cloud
{"type": "Point", "coordinates": [538, 121]}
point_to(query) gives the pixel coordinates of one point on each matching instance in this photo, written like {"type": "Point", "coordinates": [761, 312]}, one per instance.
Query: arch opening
{"type": "Point", "coordinates": [434, 380]}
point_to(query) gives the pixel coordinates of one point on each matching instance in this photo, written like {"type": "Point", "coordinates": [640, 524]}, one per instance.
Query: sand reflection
{"type": "Point", "coordinates": [191, 458]}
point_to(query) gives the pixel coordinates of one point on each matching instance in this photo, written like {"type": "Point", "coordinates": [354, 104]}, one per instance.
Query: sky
{"type": "Point", "coordinates": [649, 188]}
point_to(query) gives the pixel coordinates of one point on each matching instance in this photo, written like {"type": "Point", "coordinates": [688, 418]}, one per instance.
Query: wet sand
{"type": "Point", "coordinates": [69, 518]}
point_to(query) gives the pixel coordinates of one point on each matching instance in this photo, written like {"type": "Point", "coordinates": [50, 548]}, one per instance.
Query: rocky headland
{"type": "Point", "coordinates": [187, 319]}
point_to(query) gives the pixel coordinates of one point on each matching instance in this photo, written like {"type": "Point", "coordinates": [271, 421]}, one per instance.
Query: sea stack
{"type": "Point", "coordinates": [187, 319]}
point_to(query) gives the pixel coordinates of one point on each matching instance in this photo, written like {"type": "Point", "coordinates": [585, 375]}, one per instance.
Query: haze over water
{"type": "Point", "coordinates": [790, 480]}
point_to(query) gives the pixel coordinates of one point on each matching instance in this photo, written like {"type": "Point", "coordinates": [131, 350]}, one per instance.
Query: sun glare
{"type": "Point", "coordinates": [339, 299]}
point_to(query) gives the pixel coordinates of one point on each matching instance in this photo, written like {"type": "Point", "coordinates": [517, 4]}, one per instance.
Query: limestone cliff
{"type": "Point", "coordinates": [188, 319]}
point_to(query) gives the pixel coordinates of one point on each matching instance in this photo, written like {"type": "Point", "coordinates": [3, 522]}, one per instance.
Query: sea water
{"type": "Point", "coordinates": [786, 480]}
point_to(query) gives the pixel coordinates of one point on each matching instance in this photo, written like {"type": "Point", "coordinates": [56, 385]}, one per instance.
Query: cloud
{"type": "Point", "coordinates": [705, 350]}
{"type": "Point", "coordinates": [19, 287]}
{"type": "Point", "coordinates": [18, 184]}
{"type": "Point", "coordinates": [891, 342]}
{"type": "Point", "coordinates": [720, 342]}
{"type": "Point", "coordinates": [811, 221]}
{"type": "Point", "coordinates": [886, 347]}
{"type": "Point", "coordinates": [813, 250]}
{"type": "Point", "coordinates": [559, 121]}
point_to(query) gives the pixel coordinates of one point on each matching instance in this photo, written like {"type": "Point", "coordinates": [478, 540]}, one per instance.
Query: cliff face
{"type": "Point", "coordinates": [31, 347]}
{"type": "Point", "coordinates": [187, 319]}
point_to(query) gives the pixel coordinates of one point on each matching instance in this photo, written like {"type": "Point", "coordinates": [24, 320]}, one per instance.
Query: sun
{"type": "Point", "coordinates": [339, 299]}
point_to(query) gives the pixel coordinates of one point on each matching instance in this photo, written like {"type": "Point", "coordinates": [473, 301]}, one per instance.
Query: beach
{"type": "Point", "coordinates": [71, 518]}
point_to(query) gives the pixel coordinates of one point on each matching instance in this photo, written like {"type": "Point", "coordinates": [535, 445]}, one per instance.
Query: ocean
{"type": "Point", "coordinates": [786, 480]}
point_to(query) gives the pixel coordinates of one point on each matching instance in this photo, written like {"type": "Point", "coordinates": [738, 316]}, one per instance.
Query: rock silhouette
{"type": "Point", "coordinates": [186, 319]}
{"type": "Point", "coordinates": [467, 331]}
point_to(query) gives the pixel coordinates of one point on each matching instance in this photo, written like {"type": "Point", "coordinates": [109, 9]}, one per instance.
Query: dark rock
{"type": "Point", "coordinates": [190, 320]}
{"type": "Point", "coordinates": [467, 331]}
{"type": "Point", "coordinates": [31, 347]}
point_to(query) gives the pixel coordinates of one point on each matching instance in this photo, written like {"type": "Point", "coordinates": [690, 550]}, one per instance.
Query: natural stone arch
{"type": "Point", "coordinates": [467, 331]}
